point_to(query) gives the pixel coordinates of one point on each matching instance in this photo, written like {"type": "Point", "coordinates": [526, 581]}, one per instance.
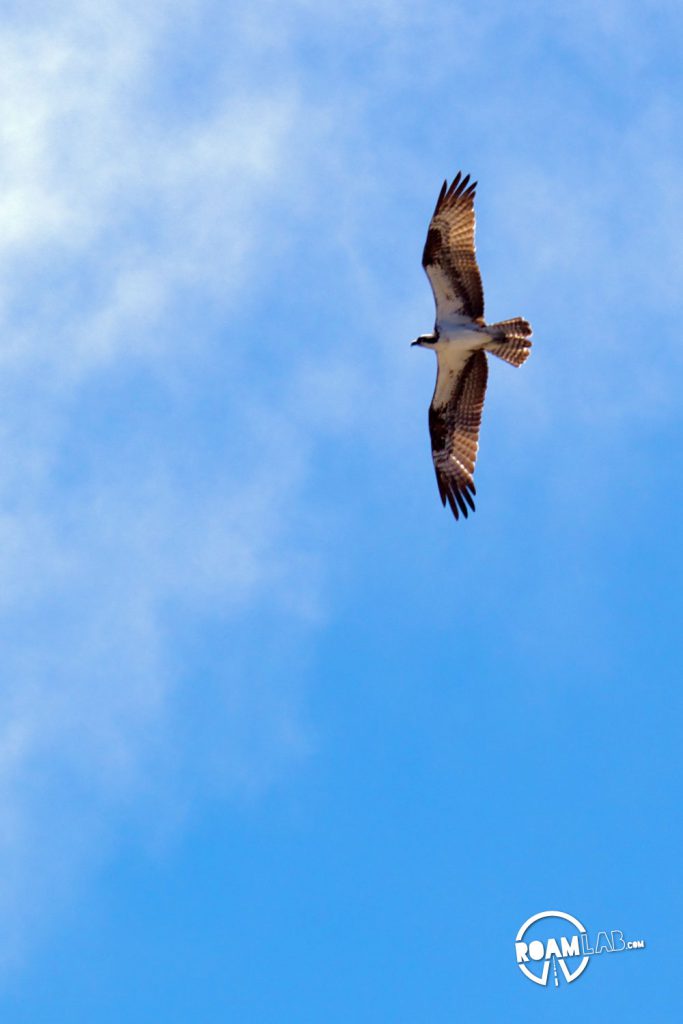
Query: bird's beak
{"type": "Point", "coordinates": [416, 342]}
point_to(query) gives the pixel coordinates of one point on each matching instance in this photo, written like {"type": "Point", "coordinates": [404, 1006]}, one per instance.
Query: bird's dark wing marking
{"type": "Point", "coordinates": [454, 429]}
{"type": "Point", "coordinates": [449, 254]}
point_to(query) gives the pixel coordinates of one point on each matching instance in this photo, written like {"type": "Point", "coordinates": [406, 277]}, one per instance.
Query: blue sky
{"type": "Point", "coordinates": [281, 741]}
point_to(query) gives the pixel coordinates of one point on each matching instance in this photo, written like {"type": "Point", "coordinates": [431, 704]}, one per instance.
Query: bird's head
{"type": "Point", "coordinates": [426, 340]}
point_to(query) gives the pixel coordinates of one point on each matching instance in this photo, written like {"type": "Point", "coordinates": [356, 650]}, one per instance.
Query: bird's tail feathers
{"type": "Point", "coordinates": [510, 340]}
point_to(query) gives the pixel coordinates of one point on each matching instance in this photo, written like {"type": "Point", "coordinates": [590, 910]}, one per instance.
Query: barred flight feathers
{"type": "Point", "coordinates": [514, 345]}
{"type": "Point", "coordinates": [454, 430]}
{"type": "Point", "coordinates": [449, 254]}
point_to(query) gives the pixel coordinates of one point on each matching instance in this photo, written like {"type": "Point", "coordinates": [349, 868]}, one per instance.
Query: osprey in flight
{"type": "Point", "coordinates": [461, 339]}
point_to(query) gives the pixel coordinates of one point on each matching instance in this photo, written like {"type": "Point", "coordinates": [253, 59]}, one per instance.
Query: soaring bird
{"type": "Point", "coordinates": [461, 338]}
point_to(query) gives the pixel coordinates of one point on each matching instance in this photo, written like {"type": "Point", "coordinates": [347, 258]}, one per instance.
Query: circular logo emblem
{"type": "Point", "coordinates": [545, 940]}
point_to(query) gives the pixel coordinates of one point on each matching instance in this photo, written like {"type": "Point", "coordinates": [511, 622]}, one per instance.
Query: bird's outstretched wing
{"type": "Point", "coordinates": [454, 421]}
{"type": "Point", "coordinates": [449, 255]}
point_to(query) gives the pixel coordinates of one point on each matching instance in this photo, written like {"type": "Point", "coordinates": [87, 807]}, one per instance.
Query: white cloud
{"type": "Point", "coordinates": [120, 221]}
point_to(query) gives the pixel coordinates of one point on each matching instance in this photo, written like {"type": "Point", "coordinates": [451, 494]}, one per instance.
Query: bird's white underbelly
{"type": "Point", "coordinates": [460, 331]}
{"type": "Point", "coordinates": [452, 352]}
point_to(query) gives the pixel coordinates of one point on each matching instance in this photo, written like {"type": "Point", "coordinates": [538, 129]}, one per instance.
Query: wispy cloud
{"type": "Point", "coordinates": [127, 509]}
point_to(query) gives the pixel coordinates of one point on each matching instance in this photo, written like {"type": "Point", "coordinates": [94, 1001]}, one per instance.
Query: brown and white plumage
{"type": "Point", "coordinates": [449, 254]}
{"type": "Point", "coordinates": [454, 430]}
{"type": "Point", "coordinates": [461, 339]}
